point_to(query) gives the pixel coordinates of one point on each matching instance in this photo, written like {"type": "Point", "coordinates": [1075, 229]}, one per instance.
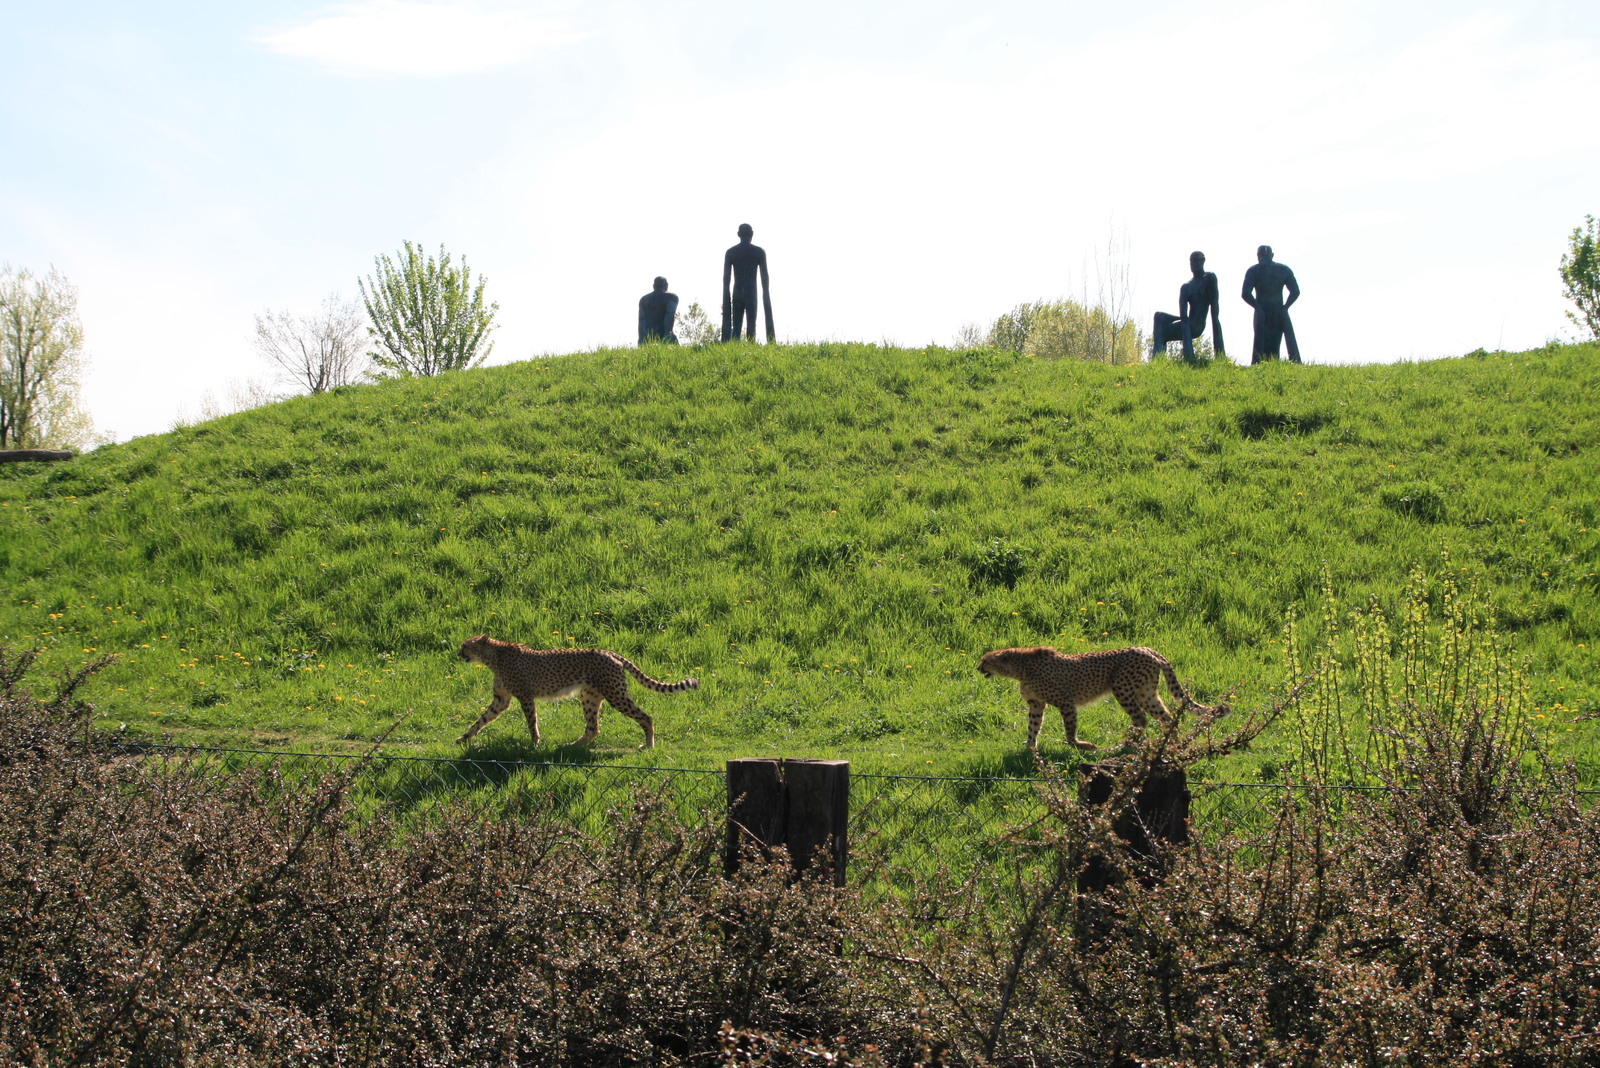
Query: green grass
{"type": "Point", "coordinates": [827, 535]}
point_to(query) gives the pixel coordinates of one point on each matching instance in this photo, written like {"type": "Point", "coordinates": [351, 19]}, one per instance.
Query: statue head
{"type": "Point", "coordinates": [1197, 262]}
{"type": "Point", "coordinates": [1264, 253]}
{"type": "Point", "coordinates": [746, 231]}
{"type": "Point", "coordinates": [659, 285]}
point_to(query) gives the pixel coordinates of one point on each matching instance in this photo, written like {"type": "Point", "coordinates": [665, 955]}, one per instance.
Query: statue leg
{"type": "Point", "coordinates": [1268, 336]}
{"type": "Point", "coordinates": [743, 308]}
{"type": "Point", "coordinates": [1163, 332]}
{"type": "Point", "coordinates": [1288, 337]}
{"type": "Point", "coordinates": [1275, 333]}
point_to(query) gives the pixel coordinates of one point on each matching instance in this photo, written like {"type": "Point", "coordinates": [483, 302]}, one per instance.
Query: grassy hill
{"type": "Point", "coordinates": [827, 535]}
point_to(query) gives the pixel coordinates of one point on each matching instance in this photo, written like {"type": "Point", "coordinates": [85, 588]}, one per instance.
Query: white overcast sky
{"type": "Point", "coordinates": [909, 167]}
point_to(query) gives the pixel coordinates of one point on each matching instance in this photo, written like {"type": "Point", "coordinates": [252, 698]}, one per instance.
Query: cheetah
{"type": "Point", "coordinates": [532, 675]}
{"type": "Point", "coordinates": [1073, 681]}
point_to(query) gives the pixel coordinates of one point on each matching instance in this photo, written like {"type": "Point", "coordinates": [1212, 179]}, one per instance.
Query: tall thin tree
{"type": "Point", "coordinates": [41, 361]}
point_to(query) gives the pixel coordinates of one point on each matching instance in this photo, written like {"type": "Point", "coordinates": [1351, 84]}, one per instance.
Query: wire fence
{"type": "Point", "coordinates": [902, 830]}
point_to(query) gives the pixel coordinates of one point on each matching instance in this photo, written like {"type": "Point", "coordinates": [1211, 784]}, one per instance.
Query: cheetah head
{"type": "Point", "coordinates": [476, 649]}
{"type": "Point", "coordinates": [1005, 662]}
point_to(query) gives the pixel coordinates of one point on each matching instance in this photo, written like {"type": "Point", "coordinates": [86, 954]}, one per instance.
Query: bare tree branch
{"type": "Point", "coordinates": [321, 351]}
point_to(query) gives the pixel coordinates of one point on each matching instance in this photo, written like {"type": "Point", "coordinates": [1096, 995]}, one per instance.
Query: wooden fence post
{"type": "Point", "coordinates": [755, 808]}
{"type": "Point", "coordinates": [800, 805]}
{"type": "Point", "coordinates": [1159, 814]}
{"type": "Point", "coordinates": [819, 813]}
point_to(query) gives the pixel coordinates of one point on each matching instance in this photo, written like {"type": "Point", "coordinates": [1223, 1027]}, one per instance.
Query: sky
{"type": "Point", "coordinates": [910, 168]}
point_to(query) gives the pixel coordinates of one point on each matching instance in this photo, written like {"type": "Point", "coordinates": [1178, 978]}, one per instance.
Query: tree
{"type": "Point", "coordinates": [427, 316]}
{"type": "Point", "coordinates": [1580, 271]}
{"type": "Point", "coordinates": [696, 328]}
{"type": "Point", "coordinates": [1065, 329]}
{"type": "Point", "coordinates": [1094, 327]}
{"type": "Point", "coordinates": [969, 336]}
{"type": "Point", "coordinates": [1119, 339]}
{"type": "Point", "coordinates": [320, 351]}
{"type": "Point", "coordinates": [41, 362]}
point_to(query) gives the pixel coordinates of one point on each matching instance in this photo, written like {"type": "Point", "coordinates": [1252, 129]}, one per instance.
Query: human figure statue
{"type": "Point", "coordinates": [1263, 290]}
{"type": "Point", "coordinates": [1197, 298]}
{"type": "Point", "coordinates": [739, 305]}
{"type": "Point", "coordinates": [657, 310]}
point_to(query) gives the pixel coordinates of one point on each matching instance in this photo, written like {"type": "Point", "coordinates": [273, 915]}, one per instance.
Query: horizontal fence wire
{"type": "Point", "coordinates": [903, 830]}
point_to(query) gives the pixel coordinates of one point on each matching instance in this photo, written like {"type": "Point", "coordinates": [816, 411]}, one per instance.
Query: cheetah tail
{"type": "Point", "coordinates": [656, 684]}
{"type": "Point", "coordinates": [1178, 691]}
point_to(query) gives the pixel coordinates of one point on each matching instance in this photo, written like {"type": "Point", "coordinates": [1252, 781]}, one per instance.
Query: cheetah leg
{"type": "Point", "coordinates": [591, 716]}
{"type": "Point", "coordinates": [1137, 719]}
{"type": "Point", "coordinates": [624, 704]}
{"type": "Point", "coordinates": [1069, 716]}
{"type": "Point", "coordinates": [531, 714]}
{"type": "Point", "coordinates": [1035, 719]}
{"type": "Point", "coordinates": [501, 702]}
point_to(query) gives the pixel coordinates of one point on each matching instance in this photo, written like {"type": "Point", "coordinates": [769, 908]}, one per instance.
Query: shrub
{"type": "Point", "coordinates": [184, 919]}
{"type": "Point", "coordinates": [1066, 329]}
{"type": "Point", "coordinates": [171, 916]}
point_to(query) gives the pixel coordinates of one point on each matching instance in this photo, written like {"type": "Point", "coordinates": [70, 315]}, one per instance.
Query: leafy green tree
{"type": "Point", "coordinates": [41, 362]}
{"type": "Point", "coordinates": [696, 328]}
{"type": "Point", "coordinates": [1066, 329]}
{"type": "Point", "coordinates": [1580, 271]}
{"type": "Point", "coordinates": [427, 316]}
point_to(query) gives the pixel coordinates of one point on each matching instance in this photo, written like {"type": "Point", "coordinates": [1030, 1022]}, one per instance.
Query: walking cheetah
{"type": "Point", "coordinates": [1074, 681]}
{"type": "Point", "coordinates": [532, 675]}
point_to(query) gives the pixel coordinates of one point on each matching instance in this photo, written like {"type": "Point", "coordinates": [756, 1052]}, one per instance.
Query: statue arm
{"type": "Point", "coordinates": [766, 297]}
{"type": "Point", "coordinates": [644, 320]}
{"type": "Point", "coordinates": [1248, 293]}
{"type": "Point", "coordinates": [1214, 303]}
{"type": "Point", "coordinates": [1294, 289]}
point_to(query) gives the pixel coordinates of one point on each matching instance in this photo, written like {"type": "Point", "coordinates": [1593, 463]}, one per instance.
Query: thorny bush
{"type": "Point", "coordinates": [164, 917]}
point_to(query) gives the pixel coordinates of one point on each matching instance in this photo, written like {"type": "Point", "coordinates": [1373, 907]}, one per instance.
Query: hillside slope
{"type": "Point", "coordinates": [827, 535]}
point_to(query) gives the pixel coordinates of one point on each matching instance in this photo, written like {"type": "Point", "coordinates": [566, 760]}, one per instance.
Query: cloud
{"type": "Point", "coordinates": [415, 38]}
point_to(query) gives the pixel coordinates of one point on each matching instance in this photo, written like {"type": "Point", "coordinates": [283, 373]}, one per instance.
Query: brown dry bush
{"type": "Point", "coordinates": [174, 917]}
{"type": "Point", "coordinates": [1446, 919]}
{"type": "Point", "coordinates": [182, 918]}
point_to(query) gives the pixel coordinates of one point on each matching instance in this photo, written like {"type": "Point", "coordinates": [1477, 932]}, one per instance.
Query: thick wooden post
{"type": "Point", "coordinates": [800, 805]}
{"type": "Point", "coordinates": [1159, 815]}
{"type": "Point", "coordinates": [819, 813]}
{"type": "Point", "coordinates": [755, 808]}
